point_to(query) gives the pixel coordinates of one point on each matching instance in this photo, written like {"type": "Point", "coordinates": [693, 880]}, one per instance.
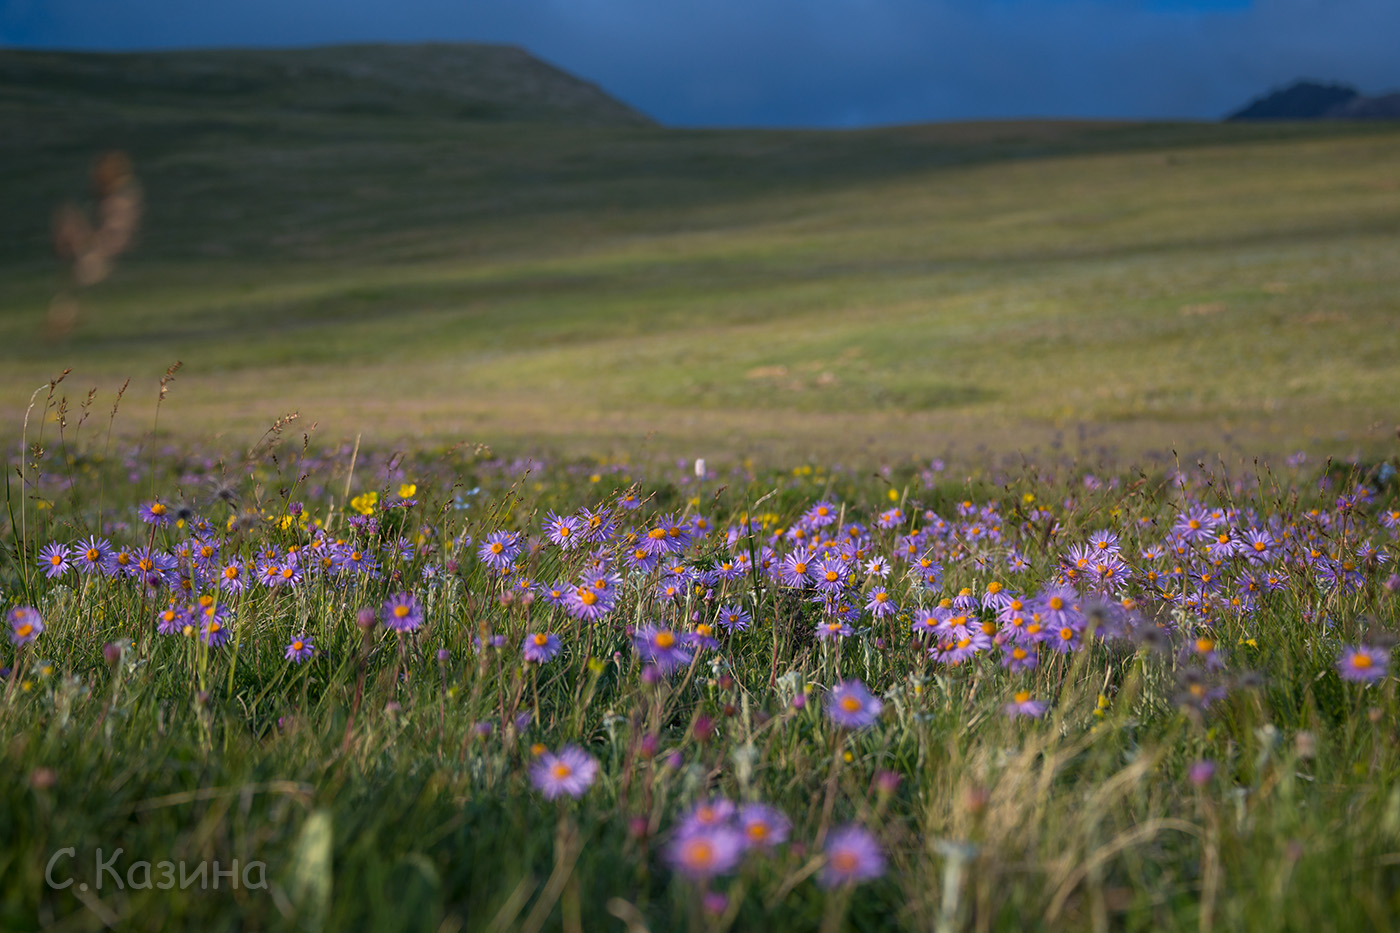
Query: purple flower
{"type": "Point", "coordinates": [589, 602]}
{"type": "Point", "coordinates": [215, 631]}
{"type": "Point", "coordinates": [706, 815]}
{"type": "Point", "coordinates": [852, 706]}
{"type": "Point", "coordinates": [570, 772]}
{"type": "Point", "coordinates": [401, 613]}
{"type": "Point", "coordinates": [852, 855]}
{"type": "Point", "coordinates": [661, 647]}
{"type": "Point", "coordinates": [705, 853]}
{"type": "Point", "coordinates": [25, 624]}
{"type": "Point", "coordinates": [734, 618]}
{"type": "Point", "coordinates": [499, 549]}
{"type": "Point", "coordinates": [1363, 663]}
{"type": "Point", "coordinates": [833, 629]}
{"type": "Point", "coordinates": [92, 554]}
{"type": "Point", "coordinates": [53, 557]}
{"type": "Point", "coordinates": [1201, 772]}
{"type": "Point", "coordinates": [1022, 705]}
{"type": "Point", "coordinates": [763, 826]}
{"type": "Point", "coordinates": [563, 530]}
{"type": "Point", "coordinates": [540, 647]}
{"type": "Point", "coordinates": [880, 604]}
{"type": "Point", "coordinates": [300, 649]}
{"type": "Point", "coordinates": [155, 513]}
{"type": "Point", "coordinates": [173, 619]}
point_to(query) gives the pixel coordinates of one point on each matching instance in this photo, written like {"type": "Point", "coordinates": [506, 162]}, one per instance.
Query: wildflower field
{"type": "Point", "coordinates": [354, 688]}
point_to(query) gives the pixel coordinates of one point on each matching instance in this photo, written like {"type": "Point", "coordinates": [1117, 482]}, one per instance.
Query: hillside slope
{"type": "Point", "coordinates": [589, 285]}
{"type": "Point", "coordinates": [455, 81]}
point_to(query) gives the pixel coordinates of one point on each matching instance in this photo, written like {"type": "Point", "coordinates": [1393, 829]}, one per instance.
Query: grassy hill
{"type": "Point", "coordinates": [388, 258]}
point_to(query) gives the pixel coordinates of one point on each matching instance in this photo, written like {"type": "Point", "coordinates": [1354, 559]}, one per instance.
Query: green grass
{"type": "Point", "coordinates": [588, 288]}
{"type": "Point", "coordinates": [361, 784]}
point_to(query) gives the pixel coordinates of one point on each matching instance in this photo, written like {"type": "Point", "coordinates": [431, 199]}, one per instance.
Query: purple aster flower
{"type": "Point", "coordinates": [1022, 705]}
{"type": "Point", "coordinates": [570, 772]}
{"type": "Point", "coordinates": [1363, 663]}
{"type": "Point", "coordinates": [555, 595]}
{"type": "Point", "coordinates": [53, 557]}
{"type": "Point", "coordinates": [830, 575]}
{"type": "Point", "coordinates": [1057, 608]}
{"type": "Point", "coordinates": [155, 513]}
{"type": "Point", "coordinates": [1258, 546]}
{"type": "Point", "coordinates": [300, 649]}
{"type": "Point", "coordinates": [596, 527]}
{"type": "Point", "coordinates": [796, 568]}
{"type": "Point", "coordinates": [173, 619]}
{"type": "Point", "coordinates": [671, 589]}
{"type": "Point", "coordinates": [25, 624]}
{"type": "Point", "coordinates": [1017, 657]}
{"type": "Point", "coordinates": [401, 613]}
{"type": "Point", "coordinates": [763, 826]}
{"type": "Point", "coordinates": [92, 554]}
{"type": "Point", "coordinates": [231, 578]}
{"type": "Point", "coordinates": [1201, 772]}
{"type": "Point", "coordinates": [734, 618]}
{"type": "Point", "coordinates": [588, 603]}
{"type": "Point", "coordinates": [852, 855]}
{"type": "Point", "coordinates": [661, 647]}
{"type": "Point", "coordinates": [702, 637]}
{"type": "Point", "coordinates": [833, 630]}
{"type": "Point", "coordinates": [705, 853]}
{"type": "Point", "coordinates": [853, 706]}
{"type": "Point", "coordinates": [642, 560]}
{"type": "Point", "coordinates": [499, 550]}
{"type": "Point", "coordinates": [820, 515]}
{"type": "Point", "coordinates": [215, 632]}
{"type": "Point", "coordinates": [540, 647]}
{"type": "Point", "coordinates": [706, 815]}
{"type": "Point", "coordinates": [880, 604]}
{"type": "Point", "coordinates": [563, 530]}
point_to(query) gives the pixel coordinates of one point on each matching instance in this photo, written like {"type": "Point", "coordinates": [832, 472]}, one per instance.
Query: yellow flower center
{"type": "Point", "coordinates": [1056, 603]}
{"type": "Point", "coordinates": [844, 862]}
{"type": "Point", "coordinates": [1022, 696]}
{"type": "Point", "coordinates": [541, 640]}
{"type": "Point", "coordinates": [1362, 661]}
{"type": "Point", "coordinates": [700, 852]}
{"type": "Point", "coordinates": [850, 704]}
{"type": "Point", "coordinates": [665, 639]}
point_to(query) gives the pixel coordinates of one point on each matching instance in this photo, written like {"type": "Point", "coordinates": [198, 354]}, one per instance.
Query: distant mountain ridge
{"type": "Point", "coordinates": [1310, 100]}
{"type": "Point", "coordinates": [468, 81]}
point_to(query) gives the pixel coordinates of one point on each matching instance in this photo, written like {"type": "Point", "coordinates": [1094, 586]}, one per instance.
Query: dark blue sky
{"type": "Point", "coordinates": [818, 62]}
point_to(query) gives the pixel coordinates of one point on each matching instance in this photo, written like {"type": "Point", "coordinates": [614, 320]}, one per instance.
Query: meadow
{"type": "Point", "coordinates": [557, 521]}
{"type": "Point", "coordinates": [443, 690]}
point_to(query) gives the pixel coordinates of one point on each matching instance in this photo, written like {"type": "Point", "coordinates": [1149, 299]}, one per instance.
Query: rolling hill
{"type": "Point", "coordinates": [390, 258]}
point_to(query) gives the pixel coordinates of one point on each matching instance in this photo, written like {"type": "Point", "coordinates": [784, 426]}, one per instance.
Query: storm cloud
{"type": "Point", "coordinates": [820, 62]}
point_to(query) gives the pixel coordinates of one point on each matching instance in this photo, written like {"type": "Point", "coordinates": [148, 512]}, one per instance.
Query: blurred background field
{"type": "Point", "coordinates": [527, 263]}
